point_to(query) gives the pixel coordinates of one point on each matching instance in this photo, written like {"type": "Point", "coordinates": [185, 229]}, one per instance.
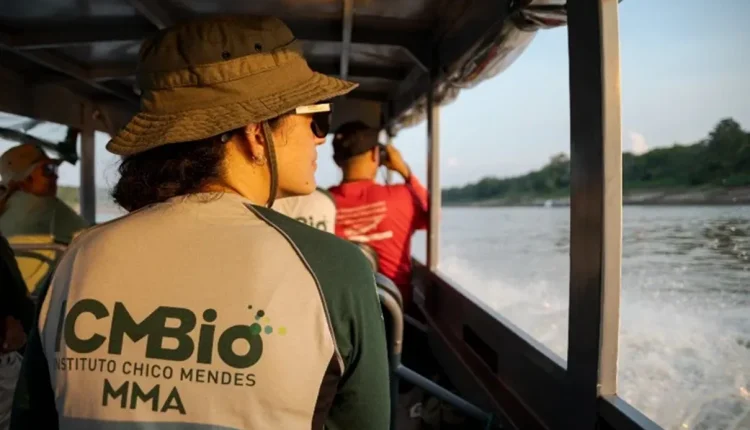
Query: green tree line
{"type": "Point", "coordinates": [722, 159]}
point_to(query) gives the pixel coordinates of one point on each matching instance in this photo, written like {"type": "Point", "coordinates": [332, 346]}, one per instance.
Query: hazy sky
{"type": "Point", "coordinates": [685, 65]}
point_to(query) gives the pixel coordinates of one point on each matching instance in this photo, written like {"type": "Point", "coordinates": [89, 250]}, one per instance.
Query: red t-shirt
{"type": "Point", "coordinates": [384, 217]}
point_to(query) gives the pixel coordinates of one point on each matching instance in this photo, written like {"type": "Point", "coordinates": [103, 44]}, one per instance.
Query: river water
{"type": "Point", "coordinates": [684, 355]}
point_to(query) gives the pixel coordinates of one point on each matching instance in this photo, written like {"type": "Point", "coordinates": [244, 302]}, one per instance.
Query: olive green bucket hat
{"type": "Point", "coordinates": [205, 77]}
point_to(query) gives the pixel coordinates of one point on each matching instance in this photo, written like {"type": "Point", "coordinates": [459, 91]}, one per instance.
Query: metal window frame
{"type": "Point", "coordinates": [433, 181]}
{"type": "Point", "coordinates": [87, 188]}
{"type": "Point", "coordinates": [583, 389]}
{"type": "Point", "coordinates": [595, 205]}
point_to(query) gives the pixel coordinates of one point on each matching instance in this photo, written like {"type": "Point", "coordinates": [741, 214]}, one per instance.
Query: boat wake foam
{"type": "Point", "coordinates": [681, 365]}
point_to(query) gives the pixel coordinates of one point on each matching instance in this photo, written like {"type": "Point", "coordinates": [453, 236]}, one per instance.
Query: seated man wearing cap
{"type": "Point", "coordinates": [29, 204]}
{"type": "Point", "coordinates": [316, 210]}
{"type": "Point", "coordinates": [383, 216]}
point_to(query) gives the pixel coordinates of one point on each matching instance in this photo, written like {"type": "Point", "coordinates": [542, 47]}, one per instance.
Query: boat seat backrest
{"type": "Point", "coordinates": [37, 256]}
{"type": "Point", "coordinates": [387, 285]}
{"type": "Point", "coordinates": [392, 306]}
{"type": "Point", "coordinates": [370, 254]}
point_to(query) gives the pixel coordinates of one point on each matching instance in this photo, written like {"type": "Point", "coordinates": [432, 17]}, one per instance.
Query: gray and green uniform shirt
{"type": "Point", "coordinates": [207, 313]}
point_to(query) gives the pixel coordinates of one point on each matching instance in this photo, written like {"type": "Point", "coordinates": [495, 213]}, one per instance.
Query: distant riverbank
{"type": "Point", "coordinates": [665, 197]}
{"type": "Point", "coordinates": [712, 171]}
{"type": "Point", "coordinates": [648, 197]}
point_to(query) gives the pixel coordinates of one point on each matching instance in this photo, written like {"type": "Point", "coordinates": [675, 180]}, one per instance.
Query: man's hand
{"type": "Point", "coordinates": [14, 337]}
{"type": "Point", "coordinates": [395, 162]}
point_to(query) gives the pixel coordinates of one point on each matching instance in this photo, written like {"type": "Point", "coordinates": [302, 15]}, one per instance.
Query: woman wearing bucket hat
{"type": "Point", "coordinates": [202, 308]}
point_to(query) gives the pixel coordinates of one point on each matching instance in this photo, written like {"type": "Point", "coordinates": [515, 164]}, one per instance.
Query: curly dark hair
{"type": "Point", "coordinates": [171, 170]}
{"type": "Point", "coordinates": [168, 171]}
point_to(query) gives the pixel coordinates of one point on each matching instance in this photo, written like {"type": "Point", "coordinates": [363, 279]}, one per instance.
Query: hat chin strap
{"type": "Point", "coordinates": [272, 166]}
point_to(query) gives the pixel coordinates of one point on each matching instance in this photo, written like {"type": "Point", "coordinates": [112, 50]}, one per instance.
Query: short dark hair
{"type": "Point", "coordinates": [352, 139]}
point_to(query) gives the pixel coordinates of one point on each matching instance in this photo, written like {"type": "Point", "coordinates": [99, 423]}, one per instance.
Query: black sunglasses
{"type": "Point", "coordinates": [320, 124]}
{"type": "Point", "coordinates": [321, 117]}
{"type": "Point", "coordinates": [49, 169]}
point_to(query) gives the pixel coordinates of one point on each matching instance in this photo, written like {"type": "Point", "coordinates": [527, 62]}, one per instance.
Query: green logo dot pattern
{"type": "Point", "coordinates": [263, 325]}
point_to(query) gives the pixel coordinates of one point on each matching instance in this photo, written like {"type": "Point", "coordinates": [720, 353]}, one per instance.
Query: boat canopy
{"type": "Point", "coordinates": [54, 53]}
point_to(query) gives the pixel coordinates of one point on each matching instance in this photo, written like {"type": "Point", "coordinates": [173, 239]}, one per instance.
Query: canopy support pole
{"type": "Point", "coordinates": [389, 173]}
{"type": "Point", "coordinates": [87, 190]}
{"type": "Point", "coordinates": [433, 180]}
{"type": "Point", "coordinates": [596, 207]}
{"type": "Point", "coordinates": [346, 37]}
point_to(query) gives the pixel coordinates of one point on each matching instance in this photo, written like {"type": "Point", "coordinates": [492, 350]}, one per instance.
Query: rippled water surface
{"type": "Point", "coordinates": [685, 309]}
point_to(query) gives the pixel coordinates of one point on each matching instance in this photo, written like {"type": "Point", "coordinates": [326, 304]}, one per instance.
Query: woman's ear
{"type": "Point", "coordinates": [256, 142]}
{"type": "Point", "coordinates": [375, 154]}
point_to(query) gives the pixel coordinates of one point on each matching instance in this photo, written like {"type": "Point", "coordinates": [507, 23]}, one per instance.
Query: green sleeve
{"type": "Point", "coordinates": [34, 400]}
{"type": "Point", "coordinates": [347, 282]}
{"type": "Point", "coordinates": [364, 395]}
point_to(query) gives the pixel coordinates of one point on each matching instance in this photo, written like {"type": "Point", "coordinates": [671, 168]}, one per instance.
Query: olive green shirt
{"type": "Point", "coordinates": [27, 214]}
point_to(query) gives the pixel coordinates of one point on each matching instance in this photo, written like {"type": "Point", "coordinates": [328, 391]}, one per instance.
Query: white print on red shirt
{"type": "Point", "coordinates": [360, 223]}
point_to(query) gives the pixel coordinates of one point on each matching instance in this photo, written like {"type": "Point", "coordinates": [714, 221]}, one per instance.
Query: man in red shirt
{"type": "Point", "coordinates": [382, 216]}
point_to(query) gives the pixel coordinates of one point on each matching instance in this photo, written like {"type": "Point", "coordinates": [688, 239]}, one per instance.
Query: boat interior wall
{"type": "Point", "coordinates": [394, 318]}
{"type": "Point", "coordinates": [487, 358]}
{"type": "Point", "coordinates": [395, 50]}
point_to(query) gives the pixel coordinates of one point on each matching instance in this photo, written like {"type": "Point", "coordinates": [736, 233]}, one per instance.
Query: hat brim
{"type": "Point", "coordinates": [147, 131]}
